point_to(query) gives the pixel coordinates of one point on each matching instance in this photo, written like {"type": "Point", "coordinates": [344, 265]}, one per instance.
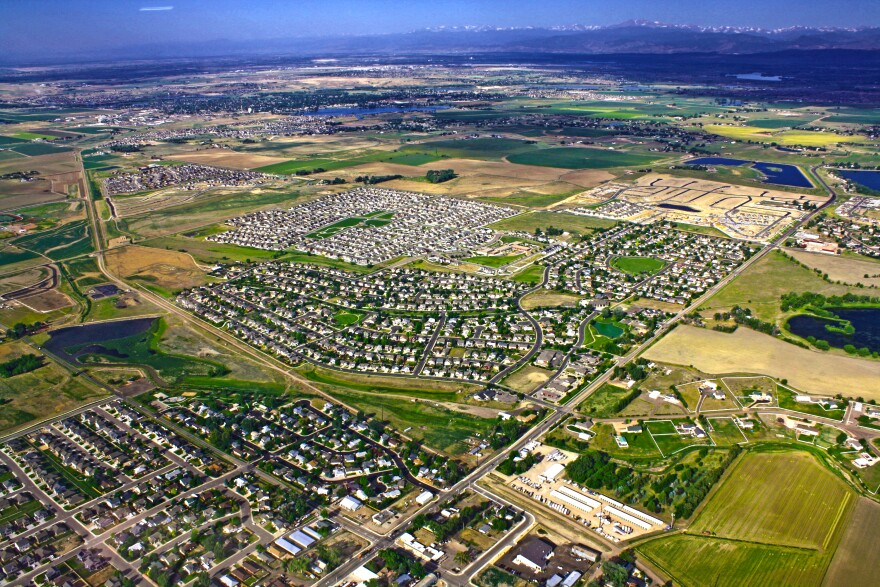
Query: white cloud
{"type": "Point", "coordinates": [155, 8]}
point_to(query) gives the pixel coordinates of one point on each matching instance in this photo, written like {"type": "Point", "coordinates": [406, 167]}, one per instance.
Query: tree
{"type": "Point", "coordinates": [463, 558]}
{"type": "Point", "coordinates": [614, 574]}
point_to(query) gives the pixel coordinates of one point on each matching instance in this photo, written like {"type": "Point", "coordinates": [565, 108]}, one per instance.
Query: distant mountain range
{"type": "Point", "coordinates": [638, 37]}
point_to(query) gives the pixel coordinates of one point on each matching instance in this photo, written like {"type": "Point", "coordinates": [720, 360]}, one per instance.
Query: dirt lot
{"type": "Point", "coordinates": [748, 351]}
{"type": "Point", "coordinates": [528, 378]}
{"type": "Point", "coordinates": [47, 301]}
{"type": "Point", "coordinates": [227, 158]}
{"type": "Point", "coordinates": [167, 269]}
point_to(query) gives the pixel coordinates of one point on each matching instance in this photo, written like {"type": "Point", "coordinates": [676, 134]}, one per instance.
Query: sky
{"type": "Point", "coordinates": [35, 28]}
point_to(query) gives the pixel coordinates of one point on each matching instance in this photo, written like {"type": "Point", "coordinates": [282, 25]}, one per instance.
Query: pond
{"type": "Point", "coordinates": [776, 173]}
{"type": "Point", "coordinates": [868, 179]}
{"type": "Point", "coordinates": [90, 336]}
{"type": "Point", "coordinates": [866, 322]}
{"type": "Point", "coordinates": [608, 329]}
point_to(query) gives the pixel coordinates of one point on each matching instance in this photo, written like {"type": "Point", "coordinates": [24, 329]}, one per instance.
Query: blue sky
{"type": "Point", "coordinates": [34, 27]}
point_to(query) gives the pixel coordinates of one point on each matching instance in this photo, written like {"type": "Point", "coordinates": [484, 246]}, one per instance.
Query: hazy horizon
{"type": "Point", "coordinates": [53, 28]}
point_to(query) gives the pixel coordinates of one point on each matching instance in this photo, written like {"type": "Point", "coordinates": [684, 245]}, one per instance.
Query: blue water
{"type": "Point", "coordinates": [777, 173]}
{"type": "Point", "coordinates": [362, 111]}
{"type": "Point", "coordinates": [65, 342]}
{"type": "Point", "coordinates": [868, 179]}
{"type": "Point", "coordinates": [758, 77]}
{"type": "Point", "coordinates": [717, 161]}
{"type": "Point", "coordinates": [783, 175]}
{"type": "Point", "coordinates": [866, 321]}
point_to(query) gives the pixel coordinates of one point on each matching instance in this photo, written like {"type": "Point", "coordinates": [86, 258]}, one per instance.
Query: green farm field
{"type": "Point", "coordinates": [697, 561]}
{"type": "Point", "coordinates": [777, 498]}
{"type": "Point", "coordinates": [581, 158]}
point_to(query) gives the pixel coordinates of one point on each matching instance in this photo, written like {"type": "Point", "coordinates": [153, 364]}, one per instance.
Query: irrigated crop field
{"type": "Point", "coordinates": [783, 499]}
{"type": "Point", "coordinates": [698, 561]}
{"type": "Point", "coordinates": [776, 519]}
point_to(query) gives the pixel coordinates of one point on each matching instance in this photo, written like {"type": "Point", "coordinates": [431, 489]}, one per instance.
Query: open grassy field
{"type": "Point", "coordinates": [222, 204]}
{"type": "Point", "coordinates": [44, 392]}
{"type": "Point", "coordinates": [531, 274]}
{"type": "Point", "coordinates": [530, 221]}
{"type": "Point", "coordinates": [749, 351]}
{"type": "Point", "coordinates": [438, 426]}
{"type": "Point", "coordinates": [638, 265]}
{"type": "Point", "coordinates": [761, 286]}
{"type": "Point", "coordinates": [603, 402]}
{"type": "Point", "coordinates": [228, 158]}
{"type": "Point", "coordinates": [169, 270]}
{"type": "Point", "coordinates": [781, 499]}
{"type": "Point", "coordinates": [64, 242]}
{"type": "Point", "coordinates": [581, 158]}
{"type": "Point", "coordinates": [846, 268]}
{"type": "Point", "coordinates": [549, 298]}
{"type": "Point", "coordinates": [442, 391]}
{"type": "Point", "coordinates": [860, 545]}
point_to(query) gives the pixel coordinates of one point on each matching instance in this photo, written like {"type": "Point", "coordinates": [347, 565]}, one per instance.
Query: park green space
{"type": "Point", "coordinates": [638, 265]}
{"type": "Point", "coordinates": [493, 260]}
{"type": "Point", "coordinates": [439, 426]}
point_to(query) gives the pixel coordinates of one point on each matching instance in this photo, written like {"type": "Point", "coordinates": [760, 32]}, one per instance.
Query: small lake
{"type": "Point", "coordinates": [365, 111]}
{"type": "Point", "coordinates": [92, 335]}
{"type": "Point", "coordinates": [776, 173]}
{"type": "Point", "coordinates": [759, 77]}
{"type": "Point", "coordinates": [866, 321]}
{"type": "Point", "coordinates": [868, 179]}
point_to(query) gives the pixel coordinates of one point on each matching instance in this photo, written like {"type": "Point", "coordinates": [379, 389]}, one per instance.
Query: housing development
{"type": "Point", "coordinates": [588, 306]}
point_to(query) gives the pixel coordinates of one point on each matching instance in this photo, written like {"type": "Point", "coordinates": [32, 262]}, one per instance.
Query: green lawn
{"type": "Point", "coordinates": [493, 261]}
{"type": "Point", "coordinates": [530, 221]}
{"type": "Point", "coordinates": [638, 265]}
{"type": "Point", "coordinates": [531, 274]}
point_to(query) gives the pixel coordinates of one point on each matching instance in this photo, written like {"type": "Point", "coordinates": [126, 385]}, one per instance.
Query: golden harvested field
{"type": "Point", "coordinates": [779, 499]}
{"type": "Point", "coordinates": [846, 268]}
{"type": "Point", "coordinates": [860, 547]}
{"type": "Point", "coordinates": [46, 164]}
{"type": "Point", "coordinates": [167, 269]}
{"type": "Point", "coordinates": [748, 351]}
{"type": "Point", "coordinates": [228, 158]}
{"type": "Point", "coordinates": [527, 379]}
{"type": "Point", "coordinates": [547, 298]}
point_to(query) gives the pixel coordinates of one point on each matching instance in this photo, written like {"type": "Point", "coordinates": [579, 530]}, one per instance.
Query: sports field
{"type": "Point", "coordinates": [638, 265]}
{"type": "Point", "coordinates": [749, 351]}
{"type": "Point", "coordinates": [782, 499]}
